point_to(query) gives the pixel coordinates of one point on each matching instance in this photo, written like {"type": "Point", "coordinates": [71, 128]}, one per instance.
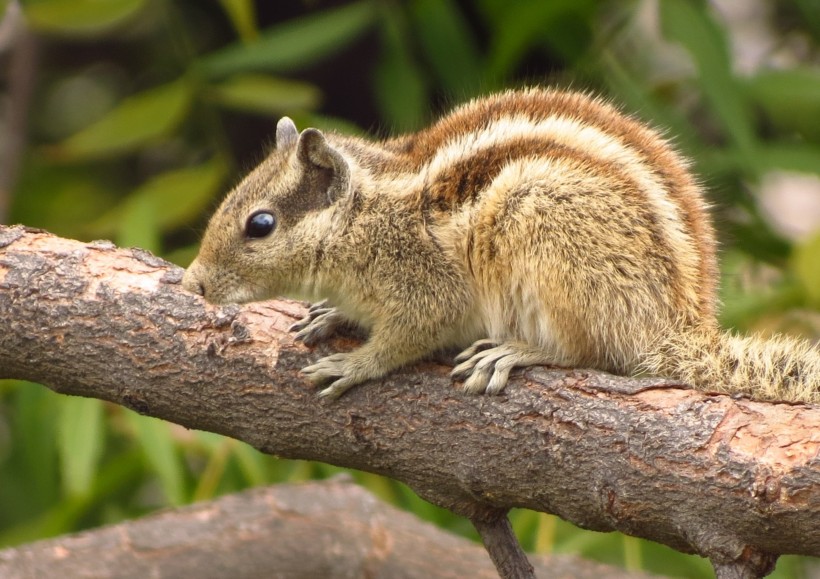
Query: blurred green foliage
{"type": "Point", "coordinates": [146, 110]}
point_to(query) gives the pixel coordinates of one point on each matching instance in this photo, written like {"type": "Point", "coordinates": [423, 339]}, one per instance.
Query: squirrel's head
{"type": "Point", "coordinates": [263, 240]}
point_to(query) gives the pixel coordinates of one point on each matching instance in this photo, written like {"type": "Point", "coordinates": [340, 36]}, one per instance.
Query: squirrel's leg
{"type": "Point", "coordinates": [487, 365]}
{"type": "Point", "coordinates": [425, 308]}
{"type": "Point", "coordinates": [319, 324]}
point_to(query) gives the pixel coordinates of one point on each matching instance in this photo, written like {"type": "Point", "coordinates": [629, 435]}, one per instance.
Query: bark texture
{"type": "Point", "coordinates": [328, 530]}
{"type": "Point", "coordinates": [731, 479]}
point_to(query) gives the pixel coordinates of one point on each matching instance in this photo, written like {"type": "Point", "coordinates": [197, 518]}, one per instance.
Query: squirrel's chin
{"type": "Point", "coordinates": [240, 295]}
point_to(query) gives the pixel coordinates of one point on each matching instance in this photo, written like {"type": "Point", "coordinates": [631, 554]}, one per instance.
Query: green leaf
{"type": "Point", "coordinates": [449, 45]}
{"type": "Point", "coordinates": [493, 11]}
{"type": "Point", "coordinates": [167, 201]}
{"type": "Point", "coordinates": [806, 265]}
{"type": "Point", "coordinates": [80, 17]}
{"type": "Point", "coordinates": [243, 17]}
{"type": "Point", "coordinates": [63, 516]}
{"type": "Point", "coordinates": [294, 44]}
{"type": "Point", "coordinates": [135, 122]}
{"type": "Point", "coordinates": [802, 158]}
{"type": "Point", "coordinates": [789, 97]}
{"type": "Point", "coordinates": [329, 124]}
{"type": "Point", "coordinates": [60, 198]}
{"type": "Point", "coordinates": [660, 559]}
{"type": "Point", "coordinates": [560, 24]}
{"type": "Point", "coordinates": [211, 476]}
{"type": "Point", "coordinates": [183, 256]}
{"type": "Point", "coordinates": [80, 443]}
{"type": "Point", "coordinates": [251, 463]}
{"type": "Point", "coordinates": [138, 225]}
{"type": "Point", "coordinates": [544, 535]}
{"type": "Point", "coordinates": [690, 24]}
{"type": "Point", "coordinates": [515, 32]}
{"type": "Point", "coordinates": [35, 418]}
{"type": "Point", "coordinates": [160, 450]}
{"type": "Point", "coordinates": [809, 11]}
{"type": "Point", "coordinates": [400, 88]}
{"type": "Point", "coordinates": [631, 92]}
{"type": "Point", "coordinates": [263, 94]}
{"type": "Point", "coordinates": [770, 156]}
{"type": "Point", "coordinates": [180, 196]}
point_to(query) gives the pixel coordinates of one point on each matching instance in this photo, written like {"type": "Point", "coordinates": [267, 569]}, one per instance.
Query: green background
{"type": "Point", "coordinates": [143, 112]}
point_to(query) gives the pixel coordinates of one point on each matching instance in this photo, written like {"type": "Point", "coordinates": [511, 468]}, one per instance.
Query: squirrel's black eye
{"type": "Point", "coordinates": [260, 224]}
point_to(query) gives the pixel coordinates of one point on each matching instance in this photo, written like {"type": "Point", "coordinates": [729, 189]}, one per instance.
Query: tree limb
{"type": "Point", "coordinates": [330, 529]}
{"type": "Point", "coordinates": [502, 546]}
{"type": "Point", "coordinates": [733, 480]}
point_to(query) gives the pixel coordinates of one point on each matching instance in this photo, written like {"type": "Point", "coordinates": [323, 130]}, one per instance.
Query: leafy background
{"type": "Point", "coordinates": [138, 114]}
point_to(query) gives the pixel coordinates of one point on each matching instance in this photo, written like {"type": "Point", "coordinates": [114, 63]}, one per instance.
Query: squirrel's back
{"type": "Point", "coordinates": [515, 134]}
{"type": "Point", "coordinates": [586, 236]}
{"type": "Point", "coordinates": [581, 228]}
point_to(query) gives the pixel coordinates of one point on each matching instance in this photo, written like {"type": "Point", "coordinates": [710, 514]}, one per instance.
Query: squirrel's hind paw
{"type": "Point", "coordinates": [487, 367]}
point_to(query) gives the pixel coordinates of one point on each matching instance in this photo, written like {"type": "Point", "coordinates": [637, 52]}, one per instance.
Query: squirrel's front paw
{"type": "Point", "coordinates": [319, 324]}
{"type": "Point", "coordinates": [335, 369]}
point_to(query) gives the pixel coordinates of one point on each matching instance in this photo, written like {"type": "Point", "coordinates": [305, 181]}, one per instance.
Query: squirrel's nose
{"type": "Point", "coordinates": [191, 282]}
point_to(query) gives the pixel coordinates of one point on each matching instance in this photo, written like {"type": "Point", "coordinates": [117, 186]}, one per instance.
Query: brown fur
{"type": "Point", "coordinates": [545, 221]}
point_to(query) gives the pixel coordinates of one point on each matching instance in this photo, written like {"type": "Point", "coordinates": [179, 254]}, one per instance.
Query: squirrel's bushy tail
{"type": "Point", "coordinates": [777, 368]}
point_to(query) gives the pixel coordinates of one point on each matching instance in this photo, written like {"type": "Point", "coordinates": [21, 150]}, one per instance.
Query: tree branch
{"type": "Point", "coordinates": [734, 480]}
{"type": "Point", "coordinates": [502, 545]}
{"type": "Point", "coordinates": [330, 529]}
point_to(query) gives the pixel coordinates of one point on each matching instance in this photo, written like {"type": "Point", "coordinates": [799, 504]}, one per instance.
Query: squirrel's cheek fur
{"type": "Point", "coordinates": [545, 224]}
{"type": "Point", "coordinates": [219, 286]}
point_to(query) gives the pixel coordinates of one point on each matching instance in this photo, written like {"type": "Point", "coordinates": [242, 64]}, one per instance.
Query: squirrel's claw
{"type": "Point", "coordinates": [478, 346]}
{"type": "Point", "coordinates": [326, 369]}
{"type": "Point", "coordinates": [320, 305]}
{"type": "Point", "coordinates": [319, 324]}
{"type": "Point", "coordinates": [336, 389]}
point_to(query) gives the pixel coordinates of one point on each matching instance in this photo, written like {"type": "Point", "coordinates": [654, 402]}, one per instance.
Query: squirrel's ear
{"type": "Point", "coordinates": [286, 133]}
{"type": "Point", "coordinates": [314, 150]}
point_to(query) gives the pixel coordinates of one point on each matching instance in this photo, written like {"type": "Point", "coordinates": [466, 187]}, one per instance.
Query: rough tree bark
{"type": "Point", "coordinates": [331, 529]}
{"type": "Point", "coordinates": [733, 480]}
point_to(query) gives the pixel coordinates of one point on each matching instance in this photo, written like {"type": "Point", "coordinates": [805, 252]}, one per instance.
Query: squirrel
{"type": "Point", "coordinates": [541, 226]}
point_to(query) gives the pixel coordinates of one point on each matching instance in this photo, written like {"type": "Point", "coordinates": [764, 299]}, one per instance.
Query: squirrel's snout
{"type": "Point", "coordinates": [191, 282]}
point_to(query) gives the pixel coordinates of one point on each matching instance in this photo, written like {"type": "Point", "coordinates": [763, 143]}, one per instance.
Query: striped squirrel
{"type": "Point", "coordinates": [540, 226]}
